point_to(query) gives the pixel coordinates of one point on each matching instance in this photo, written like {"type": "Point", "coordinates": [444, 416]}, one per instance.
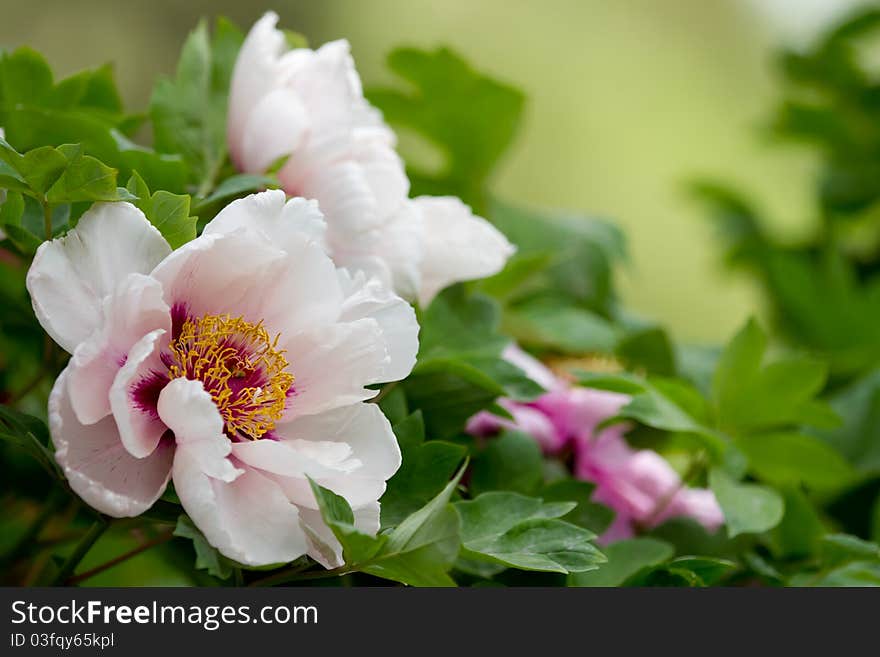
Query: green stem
{"type": "Point", "coordinates": [159, 540]}
{"type": "Point", "coordinates": [80, 551]}
{"type": "Point", "coordinates": [47, 220]}
{"type": "Point", "coordinates": [297, 574]}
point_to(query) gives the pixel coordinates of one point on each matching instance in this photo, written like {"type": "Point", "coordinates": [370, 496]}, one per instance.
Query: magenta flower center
{"type": "Point", "coordinates": [239, 365]}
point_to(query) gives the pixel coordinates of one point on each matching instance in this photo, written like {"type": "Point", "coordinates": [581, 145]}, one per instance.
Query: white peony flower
{"type": "Point", "coordinates": [309, 104]}
{"type": "Point", "coordinates": [235, 365]}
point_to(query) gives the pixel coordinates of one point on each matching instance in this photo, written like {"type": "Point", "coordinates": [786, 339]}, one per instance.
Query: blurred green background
{"type": "Point", "coordinates": [628, 102]}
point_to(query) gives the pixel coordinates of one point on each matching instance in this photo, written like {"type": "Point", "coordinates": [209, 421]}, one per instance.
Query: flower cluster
{"type": "Point", "coordinates": [639, 485]}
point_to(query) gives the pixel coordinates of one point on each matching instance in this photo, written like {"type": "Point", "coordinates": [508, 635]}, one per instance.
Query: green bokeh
{"type": "Point", "coordinates": [628, 101]}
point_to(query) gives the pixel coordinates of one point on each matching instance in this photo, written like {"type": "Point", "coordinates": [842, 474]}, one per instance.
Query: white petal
{"type": "Point", "coordinates": [97, 466]}
{"type": "Point", "coordinates": [249, 519]}
{"type": "Point", "coordinates": [191, 414]}
{"type": "Point", "coordinates": [365, 431]}
{"type": "Point", "coordinates": [134, 309]}
{"type": "Point", "coordinates": [397, 319]}
{"type": "Point", "coordinates": [255, 75]}
{"type": "Point", "coordinates": [333, 364]}
{"type": "Point", "coordinates": [284, 224]}
{"type": "Point", "coordinates": [392, 253]}
{"type": "Point", "coordinates": [357, 191]}
{"type": "Point", "coordinates": [275, 126]}
{"type": "Point", "coordinates": [241, 274]}
{"type": "Point", "coordinates": [297, 457]}
{"type": "Point", "coordinates": [134, 392]}
{"type": "Point", "coordinates": [70, 276]}
{"type": "Point", "coordinates": [458, 246]}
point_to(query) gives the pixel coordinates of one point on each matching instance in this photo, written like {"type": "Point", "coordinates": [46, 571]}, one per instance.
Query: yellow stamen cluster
{"type": "Point", "coordinates": [217, 349]}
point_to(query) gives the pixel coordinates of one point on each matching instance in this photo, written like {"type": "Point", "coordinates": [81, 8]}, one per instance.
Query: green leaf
{"type": "Point", "coordinates": [587, 514]}
{"type": "Point", "coordinates": [168, 212]}
{"type": "Point", "coordinates": [556, 325]}
{"type": "Point", "coordinates": [422, 549]}
{"type": "Point", "coordinates": [189, 112]}
{"type": "Point", "coordinates": [684, 571]}
{"type": "Point", "coordinates": [649, 350]}
{"type": "Point", "coordinates": [799, 533]}
{"type": "Point", "coordinates": [512, 462]}
{"type": "Point", "coordinates": [747, 508]}
{"type": "Point", "coordinates": [625, 559]}
{"type": "Point", "coordinates": [523, 532]}
{"type": "Point", "coordinates": [841, 548]}
{"type": "Point", "coordinates": [582, 249]}
{"type": "Point", "coordinates": [357, 547]}
{"type": "Point", "coordinates": [851, 574]}
{"type": "Point", "coordinates": [751, 397]}
{"type": "Point", "coordinates": [29, 434]}
{"type": "Point", "coordinates": [471, 141]}
{"type": "Point", "coordinates": [448, 392]}
{"type": "Point", "coordinates": [236, 186]}
{"type": "Point", "coordinates": [858, 438]}
{"type": "Point", "coordinates": [789, 457]}
{"type": "Point", "coordinates": [457, 324]}
{"type": "Point", "coordinates": [85, 179]}
{"type": "Point", "coordinates": [41, 167]}
{"type": "Point", "coordinates": [427, 467]}
{"type": "Point", "coordinates": [207, 556]}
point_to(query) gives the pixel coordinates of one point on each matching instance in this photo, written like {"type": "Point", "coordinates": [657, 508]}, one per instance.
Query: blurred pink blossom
{"type": "Point", "coordinates": [639, 485]}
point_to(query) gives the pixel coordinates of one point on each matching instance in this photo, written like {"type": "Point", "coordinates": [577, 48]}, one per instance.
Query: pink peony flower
{"type": "Point", "coordinates": [235, 365]}
{"type": "Point", "coordinates": [639, 485]}
{"type": "Point", "coordinates": [309, 104]}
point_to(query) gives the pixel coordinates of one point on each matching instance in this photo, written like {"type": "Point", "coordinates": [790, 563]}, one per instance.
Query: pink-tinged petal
{"type": "Point", "coordinates": [697, 503]}
{"type": "Point", "coordinates": [578, 411]}
{"type": "Point", "coordinates": [400, 329]}
{"type": "Point", "coordinates": [534, 369]}
{"type": "Point", "coordinates": [458, 246]}
{"type": "Point", "coordinates": [98, 467]}
{"type": "Point", "coordinates": [333, 364]}
{"type": "Point", "coordinates": [285, 224]}
{"type": "Point", "coordinates": [134, 309]}
{"type": "Point", "coordinates": [71, 275]}
{"type": "Point", "coordinates": [191, 414]}
{"type": "Point", "coordinates": [249, 519]}
{"type": "Point", "coordinates": [526, 419]}
{"type": "Point", "coordinates": [242, 275]}
{"type": "Point", "coordinates": [352, 451]}
{"type": "Point", "coordinates": [323, 545]}
{"type": "Point", "coordinates": [301, 289]}
{"type": "Point", "coordinates": [135, 392]}
{"type": "Point", "coordinates": [220, 273]}
{"type": "Point", "coordinates": [274, 128]}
